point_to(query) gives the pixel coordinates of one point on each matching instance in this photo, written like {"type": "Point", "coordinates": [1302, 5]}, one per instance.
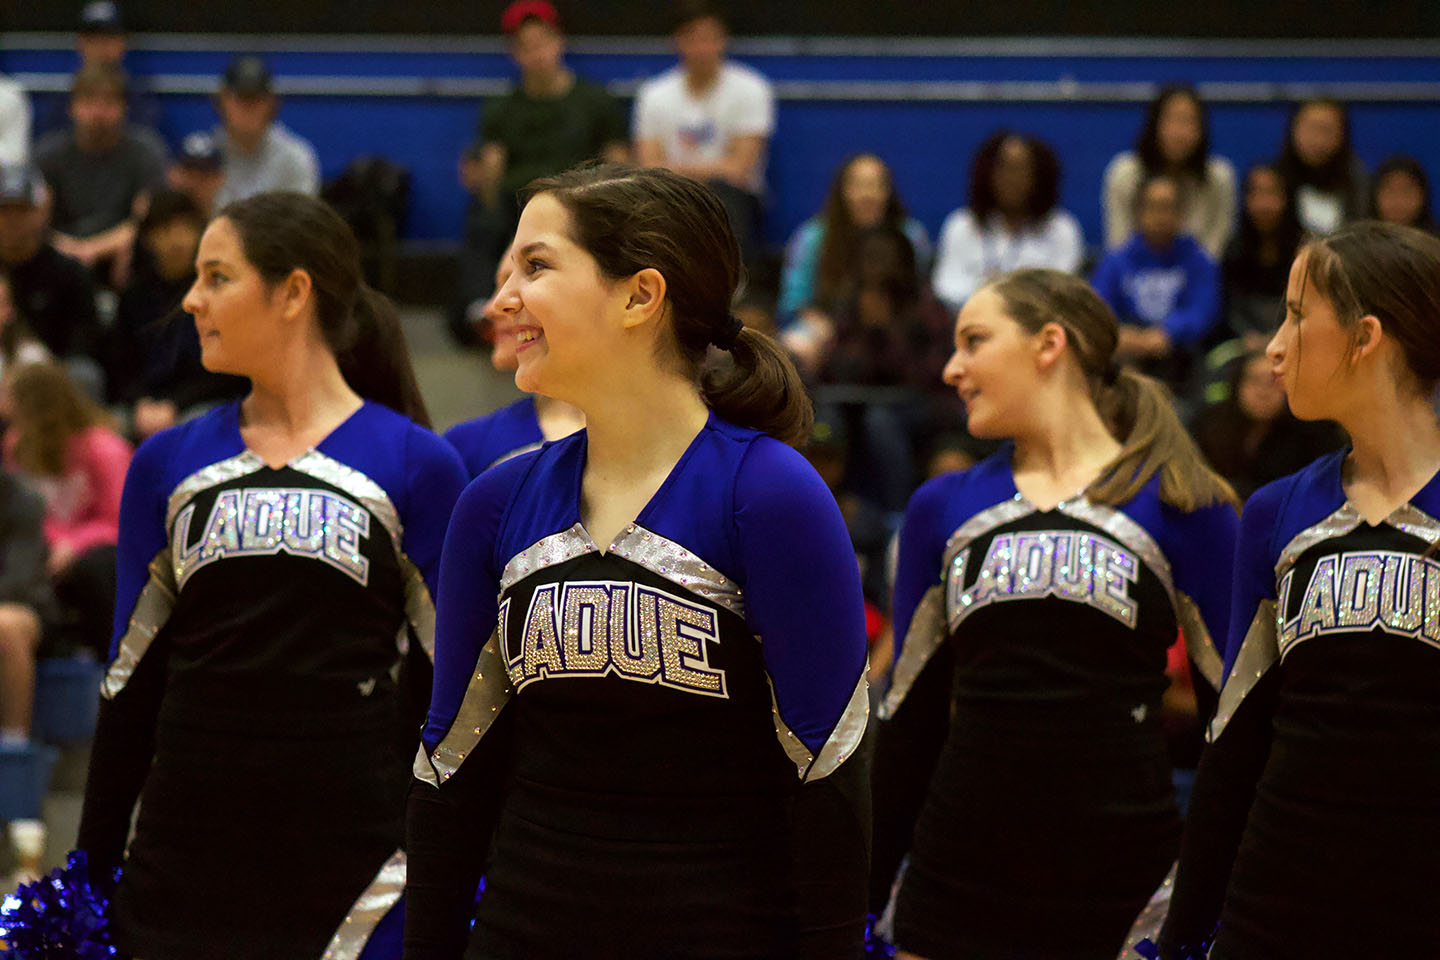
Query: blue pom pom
{"type": "Point", "coordinates": [60, 916]}
{"type": "Point", "coordinates": [1147, 949]}
{"type": "Point", "coordinates": [874, 946]}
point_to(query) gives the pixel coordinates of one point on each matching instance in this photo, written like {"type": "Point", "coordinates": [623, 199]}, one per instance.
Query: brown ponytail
{"type": "Point", "coordinates": [1137, 409]}
{"type": "Point", "coordinates": [282, 232]}
{"type": "Point", "coordinates": [628, 219]}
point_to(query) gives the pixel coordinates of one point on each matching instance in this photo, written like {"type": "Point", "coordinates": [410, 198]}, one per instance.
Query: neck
{"type": "Point", "coordinates": [301, 388]}
{"type": "Point", "coordinates": [1066, 441]}
{"type": "Point", "coordinates": [557, 418]}
{"type": "Point", "coordinates": [1395, 442]}
{"type": "Point", "coordinates": [700, 79]}
{"type": "Point", "coordinates": [248, 142]}
{"type": "Point", "coordinates": [649, 422]}
{"type": "Point", "coordinates": [96, 141]}
{"type": "Point", "coordinates": [1014, 219]}
{"type": "Point", "coordinates": [547, 83]}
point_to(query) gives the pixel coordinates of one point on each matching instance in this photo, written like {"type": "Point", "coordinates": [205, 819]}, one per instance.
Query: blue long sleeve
{"type": "Point", "coordinates": [1198, 305]}
{"type": "Point", "coordinates": [797, 278]}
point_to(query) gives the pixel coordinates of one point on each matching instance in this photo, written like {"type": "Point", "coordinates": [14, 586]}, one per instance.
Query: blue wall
{"type": "Point", "coordinates": [928, 142]}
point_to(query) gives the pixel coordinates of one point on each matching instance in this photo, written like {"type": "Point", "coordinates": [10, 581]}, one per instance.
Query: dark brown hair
{"type": "Point", "coordinates": [1335, 172]}
{"type": "Point", "coordinates": [834, 266]}
{"type": "Point", "coordinates": [1147, 148]}
{"type": "Point", "coordinates": [1389, 272]}
{"type": "Point", "coordinates": [282, 232]}
{"type": "Point", "coordinates": [49, 411]}
{"type": "Point", "coordinates": [629, 219]}
{"type": "Point", "coordinates": [1136, 408]}
{"type": "Point", "coordinates": [1045, 185]}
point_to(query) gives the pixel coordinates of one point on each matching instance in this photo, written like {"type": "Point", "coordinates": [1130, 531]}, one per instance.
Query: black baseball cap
{"type": "Point", "coordinates": [248, 76]}
{"type": "Point", "coordinates": [101, 16]}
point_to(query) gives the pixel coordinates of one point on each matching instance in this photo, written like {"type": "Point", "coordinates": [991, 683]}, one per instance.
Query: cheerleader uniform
{"type": "Point", "coordinates": [1314, 828]}
{"type": "Point", "coordinates": [496, 437]}
{"type": "Point", "coordinates": [1021, 761]}
{"type": "Point", "coordinates": [252, 702]}
{"type": "Point", "coordinates": [648, 749]}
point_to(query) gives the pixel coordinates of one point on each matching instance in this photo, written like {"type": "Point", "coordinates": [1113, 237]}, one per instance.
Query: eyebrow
{"type": "Point", "coordinates": [212, 263]}
{"type": "Point", "coordinates": [530, 248]}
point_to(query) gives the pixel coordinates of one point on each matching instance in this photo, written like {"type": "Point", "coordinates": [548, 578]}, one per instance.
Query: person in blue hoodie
{"type": "Point", "coordinates": [1162, 285]}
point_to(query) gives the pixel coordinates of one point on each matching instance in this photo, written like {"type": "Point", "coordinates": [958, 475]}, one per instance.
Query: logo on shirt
{"type": "Point", "coordinates": [629, 630]}
{"type": "Point", "coordinates": [694, 136]}
{"type": "Point", "coordinates": [1070, 564]}
{"type": "Point", "coordinates": [1154, 292]}
{"type": "Point", "coordinates": [1397, 592]}
{"type": "Point", "coordinates": [262, 522]}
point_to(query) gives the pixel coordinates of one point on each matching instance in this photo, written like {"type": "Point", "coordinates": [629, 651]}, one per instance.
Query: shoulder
{"type": "Point", "coordinates": [145, 142]}
{"type": "Point", "coordinates": [1123, 169]}
{"type": "Point", "coordinates": [187, 447]}
{"type": "Point", "coordinates": [664, 84]}
{"type": "Point", "coordinates": [809, 233]}
{"type": "Point", "coordinates": [1060, 221]}
{"type": "Point", "coordinates": [743, 77]}
{"type": "Point", "coordinates": [53, 144]}
{"type": "Point", "coordinates": [1219, 171]}
{"type": "Point", "coordinates": [290, 144]}
{"type": "Point", "coordinates": [958, 496]}
{"type": "Point", "coordinates": [960, 222]}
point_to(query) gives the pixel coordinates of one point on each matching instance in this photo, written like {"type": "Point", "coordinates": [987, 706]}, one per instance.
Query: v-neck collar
{"type": "Point", "coordinates": [313, 448]}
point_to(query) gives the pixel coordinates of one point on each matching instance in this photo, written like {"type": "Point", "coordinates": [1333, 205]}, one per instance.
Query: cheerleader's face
{"type": "Point", "coordinates": [239, 318]}
{"type": "Point", "coordinates": [501, 322]}
{"type": "Point", "coordinates": [1310, 355]}
{"type": "Point", "coordinates": [562, 306]}
{"type": "Point", "coordinates": [993, 367]}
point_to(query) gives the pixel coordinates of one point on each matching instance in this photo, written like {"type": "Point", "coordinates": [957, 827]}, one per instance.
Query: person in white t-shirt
{"type": "Point", "coordinates": [14, 123]}
{"type": "Point", "coordinates": [709, 119]}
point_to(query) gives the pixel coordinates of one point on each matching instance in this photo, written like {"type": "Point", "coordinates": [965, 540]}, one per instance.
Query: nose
{"type": "Point", "coordinates": [192, 303]}
{"type": "Point", "coordinates": [954, 370]}
{"type": "Point", "coordinates": [505, 301]}
{"type": "Point", "coordinates": [1275, 350]}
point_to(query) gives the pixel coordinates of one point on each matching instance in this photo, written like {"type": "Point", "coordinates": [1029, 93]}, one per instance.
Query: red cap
{"type": "Point", "coordinates": [521, 10]}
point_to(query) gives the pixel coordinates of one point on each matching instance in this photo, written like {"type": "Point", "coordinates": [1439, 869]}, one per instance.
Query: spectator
{"type": "Point", "coordinates": [14, 123]}
{"type": "Point", "coordinates": [710, 119]}
{"type": "Point", "coordinates": [818, 258]}
{"type": "Point", "coordinates": [1317, 160]}
{"type": "Point", "coordinates": [25, 603]}
{"type": "Point", "coordinates": [1251, 438]}
{"type": "Point", "coordinates": [1257, 262]}
{"type": "Point", "coordinates": [100, 39]}
{"type": "Point", "coordinates": [549, 122]}
{"type": "Point", "coordinates": [1400, 193]}
{"type": "Point", "coordinates": [1162, 285]}
{"type": "Point", "coordinates": [1175, 141]}
{"type": "Point", "coordinates": [101, 174]}
{"type": "Point", "coordinates": [155, 352]}
{"type": "Point", "coordinates": [1012, 220]}
{"type": "Point", "coordinates": [198, 171]}
{"type": "Point", "coordinates": [52, 292]}
{"type": "Point", "coordinates": [58, 441]}
{"type": "Point", "coordinates": [18, 345]}
{"type": "Point", "coordinates": [259, 153]}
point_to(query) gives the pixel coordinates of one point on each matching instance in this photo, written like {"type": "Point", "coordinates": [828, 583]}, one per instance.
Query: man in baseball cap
{"type": "Point", "coordinates": [259, 153]}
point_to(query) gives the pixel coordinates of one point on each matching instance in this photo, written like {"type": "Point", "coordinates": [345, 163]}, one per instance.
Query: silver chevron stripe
{"type": "Point", "coordinates": [1198, 643]}
{"type": "Point", "coordinates": [1125, 530]}
{"type": "Point", "coordinates": [360, 488]}
{"type": "Point", "coordinates": [849, 730]}
{"type": "Point", "coordinates": [489, 690]}
{"type": "Point", "coordinates": [678, 565]}
{"type": "Point", "coordinates": [419, 607]}
{"type": "Point", "coordinates": [1006, 511]}
{"type": "Point", "coordinates": [1258, 653]}
{"type": "Point", "coordinates": [1339, 523]}
{"type": "Point", "coordinates": [1415, 522]}
{"type": "Point", "coordinates": [152, 609]}
{"type": "Point", "coordinates": [368, 910]}
{"type": "Point", "coordinates": [547, 552]}
{"type": "Point", "coordinates": [217, 473]}
{"type": "Point", "coordinates": [923, 637]}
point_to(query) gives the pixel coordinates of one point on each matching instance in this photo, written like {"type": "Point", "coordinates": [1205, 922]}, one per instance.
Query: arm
{"type": "Point", "coordinates": [1068, 243]}
{"type": "Point", "coordinates": [456, 797]}
{"type": "Point", "coordinates": [1199, 302]}
{"type": "Point", "coordinates": [1232, 763]}
{"type": "Point", "coordinates": [960, 263]}
{"type": "Point", "coordinates": [1201, 548]}
{"type": "Point", "coordinates": [14, 124]}
{"type": "Point", "coordinates": [915, 717]}
{"type": "Point", "coordinates": [802, 597]}
{"type": "Point", "coordinates": [1122, 179]}
{"type": "Point", "coordinates": [797, 277]}
{"type": "Point", "coordinates": [106, 457]}
{"type": "Point", "coordinates": [130, 697]}
{"type": "Point", "coordinates": [1107, 282]}
{"type": "Point", "coordinates": [1221, 213]}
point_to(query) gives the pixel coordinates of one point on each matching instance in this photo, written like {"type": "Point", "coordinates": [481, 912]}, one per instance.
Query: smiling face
{"type": "Point", "coordinates": [1309, 353]}
{"type": "Point", "coordinates": [1180, 128]}
{"type": "Point", "coordinates": [237, 315]}
{"type": "Point", "coordinates": [866, 189]}
{"type": "Point", "coordinates": [562, 307]}
{"type": "Point", "coordinates": [502, 322]}
{"type": "Point", "coordinates": [992, 368]}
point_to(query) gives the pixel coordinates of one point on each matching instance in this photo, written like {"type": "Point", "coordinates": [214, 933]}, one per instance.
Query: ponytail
{"type": "Point", "coordinates": [761, 390]}
{"type": "Point", "coordinates": [376, 365]}
{"type": "Point", "coordinates": [1140, 414]}
{"type": "Point", "coordinates": [1137, 409]}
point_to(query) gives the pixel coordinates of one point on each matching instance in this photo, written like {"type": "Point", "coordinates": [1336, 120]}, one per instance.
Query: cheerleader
{"type": "Point", "coordinates": [523, 425]}
{"type": "Point", "coordinates": [276, 558]}
{"type": "Point", "coordinates": [650, 658]}
{"type": "Point", "coordinates": [1314, 828]}
{"type": "Point", "coordinates": [1021, 761]}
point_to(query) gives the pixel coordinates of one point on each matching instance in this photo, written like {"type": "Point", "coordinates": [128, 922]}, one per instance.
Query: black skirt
{"type": "Point", "coordinates": [254, 846]}
{"type": "Point", "coordinates": [1042, 842]}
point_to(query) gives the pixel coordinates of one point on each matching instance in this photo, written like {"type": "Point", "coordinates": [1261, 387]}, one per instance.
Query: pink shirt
{"type": "Point", "coordinates": [82, 508]}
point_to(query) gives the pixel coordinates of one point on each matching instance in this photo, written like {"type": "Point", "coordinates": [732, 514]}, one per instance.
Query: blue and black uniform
{"type": "Point", "coordinates": [648, 749]}
{"type": "Point", "coordinates": [1314, 828]}
{"type": "Point", "coordinates": [496, 437]}
{"type": "Point", "coordinates": [254, 702]}
{"type": "Point", "coordinates": [1021, 762]}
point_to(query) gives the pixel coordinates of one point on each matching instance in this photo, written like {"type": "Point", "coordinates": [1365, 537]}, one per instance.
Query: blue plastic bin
{"type": "Point", "coordinates": [67, 700]}
{"type": "Point", "coordinates": [24, 780]}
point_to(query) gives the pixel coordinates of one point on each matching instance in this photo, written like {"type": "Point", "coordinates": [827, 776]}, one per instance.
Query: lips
{"type": "Point", "coordinates": [526, 336]}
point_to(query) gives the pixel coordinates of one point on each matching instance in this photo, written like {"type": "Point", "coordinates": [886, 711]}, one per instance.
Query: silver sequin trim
{"type": "Point", "coordinates": [488, 692]}
{"type": "Point", "coordinates": [152, 609]}
{"type": "Point", "coordinates": [675, 563]}
{"type": "Point", "coordinates": [1415, 522]}
{"type": "Point", "coordinates": [368, 910]}
{"type": "Point", "coordinates": [923, 637]}
{"type": "Point", "coordinates": [203, 479]}
{"type": "Point", "coordinates": [518, 451]}
{"type": "Point", "coordinates": [1258, 653]}
{"type": "Point", "coordinates": [419, 608]}
{"type": "Point", "coordinates": [844, 738]}
{"type": "Point", "coordinates": [360, 487]}
{"type": "Point", "coordinates": [1006, 511]}
{"type": "Point", "coordinates": [1339, 523]}
{"type": "Point", "coordinates": [1198, 642]}
{"type": "Point", "coordinates": [556, 548]}
{"type": "Point", "coordinates": [1127, 531]}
